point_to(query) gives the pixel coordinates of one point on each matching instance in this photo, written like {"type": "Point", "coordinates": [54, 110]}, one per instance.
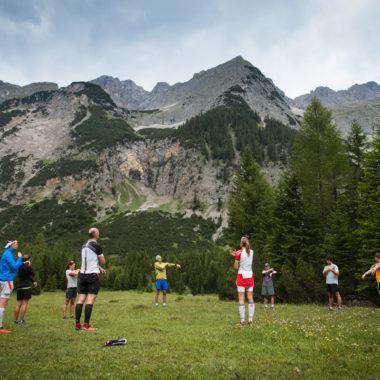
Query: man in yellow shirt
{"type": "Point", "coordinates": [161, 281]}
{"type": "Point", "coordinates": [375, 269]}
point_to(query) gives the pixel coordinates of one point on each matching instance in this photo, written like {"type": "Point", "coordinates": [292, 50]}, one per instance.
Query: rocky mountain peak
{"type": "Point", "coordinates": [177, 103]}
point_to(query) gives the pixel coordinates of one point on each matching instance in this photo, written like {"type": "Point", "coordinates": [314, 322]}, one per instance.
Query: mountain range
{"type": "Point", "coordinates": [111, 147]}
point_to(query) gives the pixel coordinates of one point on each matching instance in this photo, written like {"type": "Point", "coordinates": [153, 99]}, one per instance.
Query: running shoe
{"type": "Point", "coordinates": [89, 328]}
{"type": "Point", "coordinates": [156, 305]}
{"type": "Point", "coordinates": [240, 324]}
{"type": "Point", "coordinates": [23, 322]}
{"type": "Point", "coordinates": [249, 323]}
{"type": "Point", "coordinates": [64, 317]}
{"type": "Point", "coordinates": [164, 305]}
{"type": "Point", "coordinates": [72, 317]}
{"type": "Point", "coordinates": [330, 309]}
{"type": "Point", "coordinates": [4, 331]}
{"type": "Point", "coordinates": [339, 309]}
{"type": "Point", "coordinates": [16, 322]}
{"type": "Point", "coordinates": [78, 327]}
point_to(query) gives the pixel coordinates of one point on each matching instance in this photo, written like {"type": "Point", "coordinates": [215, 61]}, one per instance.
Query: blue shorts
{"type": "Point", "coordinates": [161, 285]}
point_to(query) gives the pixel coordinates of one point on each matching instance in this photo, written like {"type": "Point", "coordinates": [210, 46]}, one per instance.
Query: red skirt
{"type": "Point", "coordinates": [245, 282]}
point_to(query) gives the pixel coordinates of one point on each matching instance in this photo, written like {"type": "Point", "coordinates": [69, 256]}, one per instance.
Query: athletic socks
{"type": "Point", "coordinates": [78, 312]}
{"type": "Point", "coordinates": [87, 314]}
{"type": "Point", "coordinates": [242, 313]}
{"type": "Point", "coordinates": [251, 311]}
{"type": "Point", "coordinates": [1, 316]}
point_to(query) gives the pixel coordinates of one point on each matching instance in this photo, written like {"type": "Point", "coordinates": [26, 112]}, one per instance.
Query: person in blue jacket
{"type": "Point", "coordinates": [8, 271]}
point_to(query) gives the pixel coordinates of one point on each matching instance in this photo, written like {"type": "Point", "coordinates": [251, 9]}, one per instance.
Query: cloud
{"type": "Point", "coordinates": [299, 44]}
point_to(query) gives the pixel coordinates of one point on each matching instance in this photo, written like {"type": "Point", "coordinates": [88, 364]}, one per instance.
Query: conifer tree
{"type": "Point", "coordinates": [368, 230]}
{"type": "Point", "coordinates": [249, 204]}
{"type": "Point", "coordinates": [319, 162]}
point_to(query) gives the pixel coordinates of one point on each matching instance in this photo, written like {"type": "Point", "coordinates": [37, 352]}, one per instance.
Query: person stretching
{"type": "Point", "coordinates": [71, 292]}
{"type": "Point", "coordinates": [8, 271]}
{"type": "Point", "coordinates": [332, 272]}
{"type": "Point", "coordinates": [24, 289]}
{"type": "Point", "coordinates": [161, 280]}
{"type": "Point", "coordinates": [89, 282]}
{"type": "Point", "coordinates": [375, 269]}
{"type": "Point", "coordinates": [267, 287]}
{"type": "Point", "coordinates": [244, 280]}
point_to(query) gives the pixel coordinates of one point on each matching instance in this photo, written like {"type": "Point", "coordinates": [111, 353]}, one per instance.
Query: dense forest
{"type": "Point", "coordinates": [327, 202]}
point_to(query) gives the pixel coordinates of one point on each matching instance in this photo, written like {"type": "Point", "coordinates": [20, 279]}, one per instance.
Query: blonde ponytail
{"type": "Point", "coordinates": [244, 242]}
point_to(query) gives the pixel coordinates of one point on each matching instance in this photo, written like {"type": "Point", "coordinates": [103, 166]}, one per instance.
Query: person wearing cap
{"type": "Point", "coordinates": [267, 287]}
{"type": "Point", "coordinates": [161, 280]}
{"type": "Point", "coordinates": [8, 272]}
{"type": "Point", "coordinates": [375, 269]}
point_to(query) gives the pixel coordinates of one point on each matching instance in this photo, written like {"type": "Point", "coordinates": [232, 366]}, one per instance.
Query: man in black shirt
{"type": "Point", "coordinates": [24, 289]}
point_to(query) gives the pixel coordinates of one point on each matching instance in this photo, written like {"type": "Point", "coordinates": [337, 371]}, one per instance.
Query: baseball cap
{"type": "Point", "coordinates": [158, 257]}
{"type": "Point", "coordinates": [267, 265]}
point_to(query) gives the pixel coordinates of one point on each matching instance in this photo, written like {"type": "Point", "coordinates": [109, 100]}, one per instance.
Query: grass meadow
{"type": "Point", "coordinates": [193, 338]}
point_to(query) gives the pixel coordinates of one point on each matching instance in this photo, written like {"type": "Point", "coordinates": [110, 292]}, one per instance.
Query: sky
{"type": "Point", "coordinates": [298, 44]}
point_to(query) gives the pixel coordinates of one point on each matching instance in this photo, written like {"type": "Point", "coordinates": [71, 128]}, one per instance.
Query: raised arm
{"type": "Point", "coordinates": [9, 259]}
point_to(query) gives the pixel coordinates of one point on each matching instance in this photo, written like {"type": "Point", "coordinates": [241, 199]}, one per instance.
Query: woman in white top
{"type": "Point", "coordinates": [244, 280]}
{"type": "Point", "coordinates": [71, 292]}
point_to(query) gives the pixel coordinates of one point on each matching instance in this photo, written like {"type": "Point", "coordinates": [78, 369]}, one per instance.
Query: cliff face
{"type": "Point", "coordinates": [44, 153]}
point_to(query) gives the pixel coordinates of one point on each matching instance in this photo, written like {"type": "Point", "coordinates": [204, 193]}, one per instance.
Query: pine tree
{"type": "Point", "coordinates": [368, 230]}
{"type": "Point", "coordinates": [288, 236]}
{"type": "Point", "coordinates": [249, 204]}
{"type": "Point", "coordinates": [319, 162]}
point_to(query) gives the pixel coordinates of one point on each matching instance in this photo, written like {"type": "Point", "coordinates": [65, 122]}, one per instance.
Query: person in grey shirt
{"type": "Point", "coordinates": [332, 272]}
{"type": "Point", "coordinates": [71, 292]}
{"type": "Point", "coordinates": [267, 286]}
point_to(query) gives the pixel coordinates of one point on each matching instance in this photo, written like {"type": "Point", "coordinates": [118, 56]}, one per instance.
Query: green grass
{"type": "Point", "coordinates": [194, 338]}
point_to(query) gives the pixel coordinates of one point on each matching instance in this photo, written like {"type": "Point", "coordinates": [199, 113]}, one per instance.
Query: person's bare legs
{"type": "Point", "coordinates": [272, 301]}
{"type": "Point", "coordinates": [157, 295]}
{"type": "Point", "coordinates": [64, 307]}
{"type": "Point", "coordinates": [266, 302]}
{"type": "Point", "coordinates": [17, 309]}
{"type": "Point", "coordinates": [331, 299]}
{"type": "Point", "coordinates": [23, 309]}
{"type": "Point", "coordinates": [339, 299]}
{"type": "Point", "coordinates": [72, 302]}
{"type": "Point", "coordinates": [164, 297]}
{"type": "Point", "coordinates": [3, 302]}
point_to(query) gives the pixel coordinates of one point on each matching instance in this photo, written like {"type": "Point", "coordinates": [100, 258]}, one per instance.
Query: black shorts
{"type": "Point", "coordinates": [332, 288]}
{"type": "Point", "coordinates": [71, 293]}
{"type": "Point", "coordinates": [89, 283]}
{"type": "Point", "coordinates": [378, 286]}
{"type": "Point", "coordinates": [24, 294]}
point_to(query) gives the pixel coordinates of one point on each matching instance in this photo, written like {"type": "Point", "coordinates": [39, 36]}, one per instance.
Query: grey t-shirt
{"type": "Point", "coordinates": [268, 280]}
{"type": "Point", "coordinates": [331, 278]}
{"type": "Point", "coordinates": [71, 280]}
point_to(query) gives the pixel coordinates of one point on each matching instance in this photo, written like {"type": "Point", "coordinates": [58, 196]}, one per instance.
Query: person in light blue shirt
{"type": "Point", "coordinates": [332, 273]}
{"type": "Point", "coordinates": [8, 272]}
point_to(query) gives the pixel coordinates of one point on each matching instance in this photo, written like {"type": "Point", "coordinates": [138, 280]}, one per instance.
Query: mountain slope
{"type": "Point", "coordinates": [169, 105]}
{"type": "Point", "coordinates": [10, 91]}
